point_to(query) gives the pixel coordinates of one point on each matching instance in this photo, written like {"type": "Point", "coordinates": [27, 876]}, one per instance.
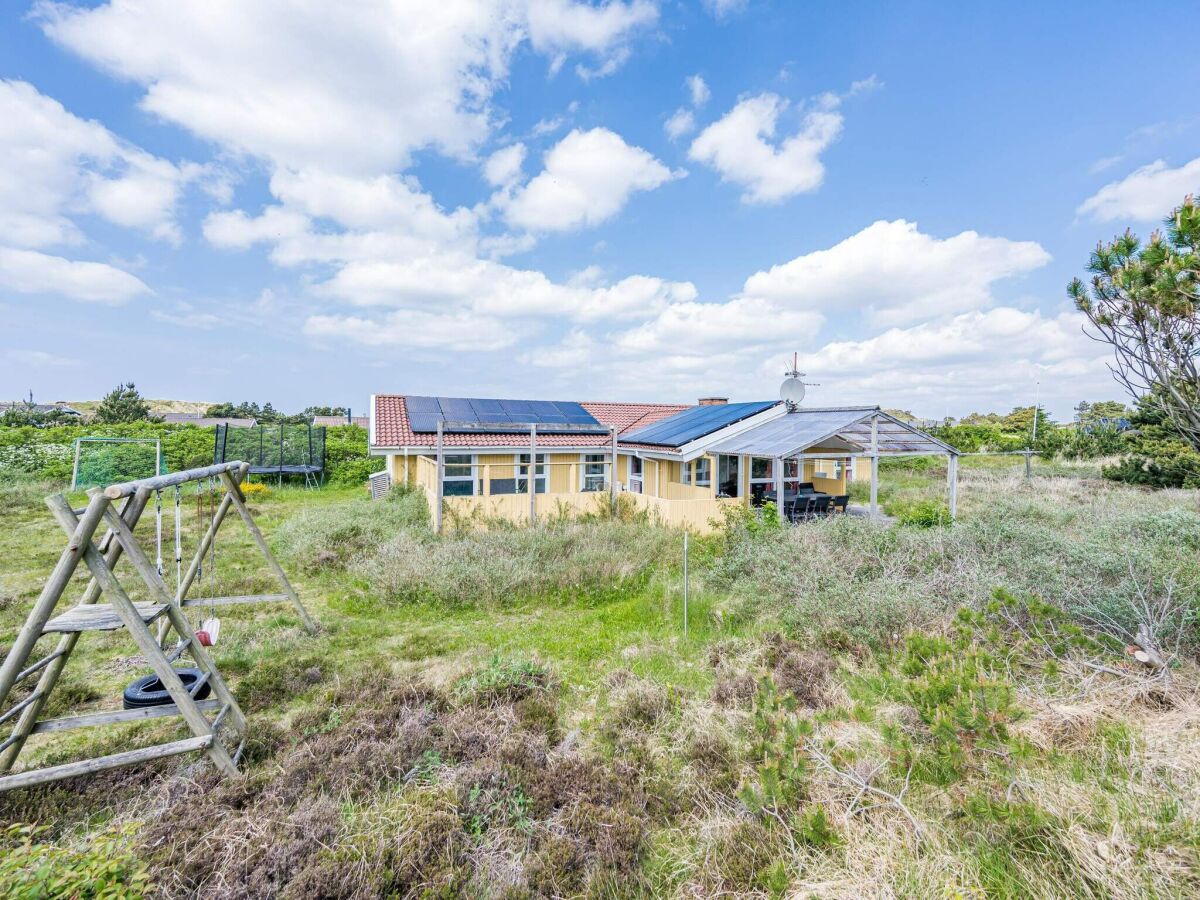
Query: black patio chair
{"type": "Point", "coordinates": [820, 506]}
{"type": "Point", "coordinates": [802, 508]}
{"type": "Point", "coordinates": [838, 504]}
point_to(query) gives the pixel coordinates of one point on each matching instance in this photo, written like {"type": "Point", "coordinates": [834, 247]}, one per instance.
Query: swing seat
{"type": "Point", "coordinates": [209, 631]}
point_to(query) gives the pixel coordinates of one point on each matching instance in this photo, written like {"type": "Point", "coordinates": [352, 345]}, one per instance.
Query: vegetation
{"type": "Point", "coordinates": [122, 404]}
{"type": "Point", "coordinates": [916, 710]}
{"type": "Point", "coordinates": [268, 415]}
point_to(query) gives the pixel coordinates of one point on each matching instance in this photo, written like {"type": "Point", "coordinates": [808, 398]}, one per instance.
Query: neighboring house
{"type": "Point", "coordinates": [203, 421]}
{"type": "Point", "coordinates": [23, 406]}
{"type": "Point", "coordinates": [682, 463]}
{"type": "Point", "coordinates": [338, 421]}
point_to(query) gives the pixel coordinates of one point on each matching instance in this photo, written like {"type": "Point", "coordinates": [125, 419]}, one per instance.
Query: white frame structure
{"type": "Point", "coordinates": [115, 440]}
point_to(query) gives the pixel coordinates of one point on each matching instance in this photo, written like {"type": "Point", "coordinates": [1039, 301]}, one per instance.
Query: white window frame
{"type": "Point", "coordinates": [685, 473]}
{"type": "Point", "coordinates": [541, 469]}
{"type": "Point", "coordinates": [636, 479]}
{"type": "Point", "coordinates": [592, 461]}
{"type": "Point", "coordinates": [456, 479]}
{"type": "Point", "coordinates": [703, 471]}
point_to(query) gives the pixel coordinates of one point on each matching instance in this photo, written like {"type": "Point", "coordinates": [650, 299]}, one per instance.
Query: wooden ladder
{"type": "Point", "coordinates": [122, 612]}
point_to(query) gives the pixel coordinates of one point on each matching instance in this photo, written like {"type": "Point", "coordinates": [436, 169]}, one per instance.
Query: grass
{"type": "Point", "coordinates": [515, 712]}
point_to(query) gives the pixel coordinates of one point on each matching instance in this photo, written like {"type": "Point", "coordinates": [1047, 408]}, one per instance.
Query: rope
{"type": "Point", "coordinates": [178, 542]}
{"type": "Point", "coordinates": [158, 532]}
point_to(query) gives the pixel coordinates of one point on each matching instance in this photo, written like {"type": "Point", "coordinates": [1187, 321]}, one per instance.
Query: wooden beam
{"type": "Point", "coordinates": [439, 470]}
{"type": "Point", "coordinates": [111, 548]}
{"type": "Point", "coordinates": [248, 520]}
{"type": "Point", "coordinates": [111, 717]}
{"type": "Point", "coordinates": [952, 484]}
{"type": "Point", "coordinates": [531, 474]}
{"type": "Point", "coordinates": [874, 467]}
{"type": "Point", "coordinates": [137, 628]}
{"type": "Point", "coordinates": [102, 763]}
{"type": "Point", "coordinates": [79, 541]}
{"type": "Point", "coordinates": [117, 491]}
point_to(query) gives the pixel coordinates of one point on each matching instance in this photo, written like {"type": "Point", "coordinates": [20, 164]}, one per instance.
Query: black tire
{"type": "Point", "coordinates": [149, 691]}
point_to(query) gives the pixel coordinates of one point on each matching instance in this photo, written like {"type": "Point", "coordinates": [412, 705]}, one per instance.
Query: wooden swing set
{"type": "Point", "coordinates": [176, 636]}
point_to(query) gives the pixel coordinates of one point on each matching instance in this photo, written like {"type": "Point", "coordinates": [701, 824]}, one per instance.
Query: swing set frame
{"type": "Point", "coordinates": [100, 558]}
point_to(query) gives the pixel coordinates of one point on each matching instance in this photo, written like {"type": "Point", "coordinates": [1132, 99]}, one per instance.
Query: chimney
{"type": "Point", "coordinates": [713, 401]}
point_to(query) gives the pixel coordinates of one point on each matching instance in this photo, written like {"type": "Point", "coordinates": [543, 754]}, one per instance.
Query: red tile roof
{"type": "Point", "coordinates": [392, 428]}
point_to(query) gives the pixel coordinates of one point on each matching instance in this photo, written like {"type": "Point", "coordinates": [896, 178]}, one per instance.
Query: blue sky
{"type": "Point", "coordinates": [308, 203]}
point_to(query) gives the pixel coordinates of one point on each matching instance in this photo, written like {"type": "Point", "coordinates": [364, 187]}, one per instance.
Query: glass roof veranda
{"type": "Point", "coordinates": [838, 433]}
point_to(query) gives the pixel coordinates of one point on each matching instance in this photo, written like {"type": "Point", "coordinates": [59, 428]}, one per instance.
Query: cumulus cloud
{"type": "Point", "coordinates": [698, 89]}
{"type": "Point", "coordinates": [740, 146]}
{"type": "Point", "coordinates": [286, 84]}
{"type": "Point", "coordinates": [54, 166]}
{"type": "Point", "coordinates": [682, 121]}
{"type": "Point", "coordinates": [1145, 195]}
{"type": "Point", "coordinates": [417, 329]}
{"type": "Point", "coordinates": [895, 273]}
{"type": "Point", "coordinates": [724, 8]}
{"type": "Point", "coordinates": [587, 178]}
{"type": "Point", "coordinates": [503, 167]}
{"type": "Point", "coordinates": [32, 272]}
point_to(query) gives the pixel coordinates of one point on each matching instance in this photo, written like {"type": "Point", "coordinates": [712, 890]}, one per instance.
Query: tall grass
{"type": "Point", "coordinates": [332, 536]}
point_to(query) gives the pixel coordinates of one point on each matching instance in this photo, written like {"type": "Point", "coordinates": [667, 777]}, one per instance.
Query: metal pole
{"type": "Point", "coordinates": [75, 467]}
{"type": "Point", "coordinates": [685, 585]}
{"type": "Point", "coordinates": [952, 477]}
{"type": "Point", "coordinates": [612, 487]}
{"type": "Point", "coordinates": [531, 472]}
{"type": "Point", "coordinates": [1028, 463]}
{"type": "Point", "coordinates": [874, 466]}
{"type": "Point", "coordinates": [437, 506]}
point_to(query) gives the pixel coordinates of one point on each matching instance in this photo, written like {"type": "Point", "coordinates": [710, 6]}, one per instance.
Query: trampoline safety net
{"type": "Point", "coordinates": [274, 449]}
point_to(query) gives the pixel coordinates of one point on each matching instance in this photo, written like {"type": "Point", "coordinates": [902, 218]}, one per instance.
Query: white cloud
{"type": "Point", "coordinates": [1146, 195]}
{"type": "Point", "coordinates": [557, 26]}
{"type": "Point", "coordinates": [503, 167]}
{"type": "Point", "coordinates": [739, 146]}
{"type": "Point", "coordinates": [681, 122]}
{"type": "Point", "coordinates": [723, 8]}
{"type": "Point", "coordinates": [31, 272]}
{"type": "Point", "coordinates": [414, 328]}
{"type": "Point", "coordinates": [186, 316]}
{"type": "Point", "coordinates": [287, 84]}
{"type": "Point", "coordinates": [698, 89]}
{"type": "Point", "coordinates": [54, 165]}
{"type": "Point", "coordinates": [587, 177]}
{"type": "Point", "coordinates": [234, 230]}
{"type": "Point", "coordinates": [895, 273]}
{"type": "Point", "coordinates": [40, 359]}
{"type": "Point", "coordinates": [695, 329]}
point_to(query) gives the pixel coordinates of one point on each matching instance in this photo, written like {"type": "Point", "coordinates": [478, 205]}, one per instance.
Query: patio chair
{"type": "Point", "coordinates": [838, 504]}
{"type": "Point", "coordinates": [802, 508]}
{"type": "Point", "coordinates": [819, 507]}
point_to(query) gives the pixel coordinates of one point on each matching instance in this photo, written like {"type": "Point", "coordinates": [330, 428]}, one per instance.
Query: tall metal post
{"type": "Point", "coordinates": [612, 480]}
{"type": "Point", "coordinates": [685, 585]}
{"type": "Point", "coordinates": [440, 467]}
{"type": "Point", "coordinates": [531, 481]}
{"type": "Point", "coordinates": [952, 486]}
{"type": "Point", "coordinates": [874, 466]}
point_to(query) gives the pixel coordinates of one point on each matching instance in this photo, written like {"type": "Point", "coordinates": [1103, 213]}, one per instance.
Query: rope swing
{"type": "Point", "coordinates": [206, 512]}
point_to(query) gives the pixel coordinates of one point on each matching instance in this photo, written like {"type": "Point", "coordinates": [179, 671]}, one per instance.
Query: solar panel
{"type": "Point", "coordinates": [424, 413]}
{"type": "Point", "coordinates": [696, 422]}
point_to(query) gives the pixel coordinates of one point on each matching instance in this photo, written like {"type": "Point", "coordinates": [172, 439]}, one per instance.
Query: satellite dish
{"type": "Point", "coordinates": [791, 391]}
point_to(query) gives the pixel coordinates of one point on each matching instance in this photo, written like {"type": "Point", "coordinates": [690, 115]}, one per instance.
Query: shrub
{"type": "Point", "coordinates": [594, 561]}
{"type": "Point", "coordinates": [255, 490]}
{"type": "Point", "coordinates": [106, 867]}
{"type": "Point", "coordinates": [329, 537]}
{"type": "Point", "coordinates": [1176, 470]}
{"type": "Point", "coordinates": [924, 514]}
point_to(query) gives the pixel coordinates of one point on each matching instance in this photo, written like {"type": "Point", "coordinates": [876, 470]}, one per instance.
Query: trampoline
{"type": "Point", "coordinates": [279, 450]}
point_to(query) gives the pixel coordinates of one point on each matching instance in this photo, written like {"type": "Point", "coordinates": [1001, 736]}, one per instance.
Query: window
{"type": "Point", "coordinates": [762, 477]}
{"type": "Point", "coordinates": [685, 473]}
{"type": "Point", "coordinates": [591, 474]}
{"type": "Point", "coordinates": [458, 475]}
{"type": "Point", "coordinates": [704, 472]}
{"type": "Point", "coordinates": [523, 474]}
{"type": "Point", "coordinates": [635, 474]}
{"type": "Point", "coordinates": [728, 482]}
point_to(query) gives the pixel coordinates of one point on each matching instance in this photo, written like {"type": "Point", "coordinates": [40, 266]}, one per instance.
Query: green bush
{"type": "Point", "coordinates": [330, 537]}
{"type": "Point", "coordinates": [1176, 470]}
{"type": "Point", "coordinates": [924, 514]}
{"type": "Point", "coordinates": [106, 868]}
{"type": "Point", "coordinates": [346, 459]}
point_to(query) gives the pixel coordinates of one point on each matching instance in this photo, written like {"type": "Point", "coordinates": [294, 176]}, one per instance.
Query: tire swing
{"type": "Point", "coordinates": [149, 690]}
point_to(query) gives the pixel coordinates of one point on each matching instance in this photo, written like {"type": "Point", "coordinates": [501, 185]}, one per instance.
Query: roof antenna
{"type": "Point", "coordinates": [791, 392]}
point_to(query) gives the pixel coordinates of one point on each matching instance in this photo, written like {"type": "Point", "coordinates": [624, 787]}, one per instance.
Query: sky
{"type": "Point", "coordinates": [308, 202]}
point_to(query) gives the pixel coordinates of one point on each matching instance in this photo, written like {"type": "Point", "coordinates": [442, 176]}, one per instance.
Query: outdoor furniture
{"type": "Point", "coordinates": [820, 506]}
{"type": "Point", "coordinates": [838, 504]}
